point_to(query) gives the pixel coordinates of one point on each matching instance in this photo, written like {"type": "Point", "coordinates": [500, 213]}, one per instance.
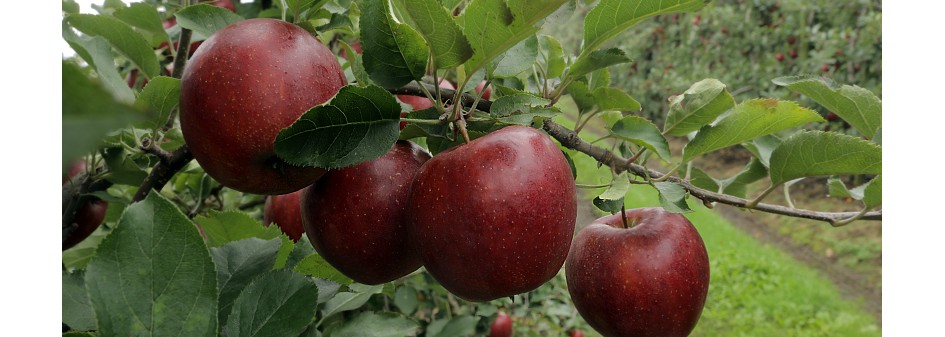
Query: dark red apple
{"type": "Point", "coordinates": [285, 211]}
{"type": "Point", "coordinates": [501, 326]}
{"type": "Point", "coordinates": [779, 57]}
{"type": "Point", "coordinates": [355, 216]}
{"type": "Point", "coordinates": [791, 40]}
{"type": "Point", "coordinates": [244, 85]}
{"type": "Point", "coordinates": [650, 279]}
{"type": "Point", "coordinates": [495, 217]}
{"type": "Point", "coordinates": [825, 68]}
{"type": "Point", "coordinates": [793, 53]}
{"type": "Point", "coordinates": [576, 333]}
{"type": "Point", "coordinates": [88, 216]}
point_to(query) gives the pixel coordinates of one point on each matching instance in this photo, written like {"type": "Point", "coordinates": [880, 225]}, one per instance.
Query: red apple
{"type": "Point", "coordinates": [576, 333]}
{"type": "Point", "coordinates": [650, 279]}
{"type": "Point", "coordinates": [88, 216]}
{"type": "Point", "coordinates": [779, 57]}
{"type": "Point", "coordinates": [501, 326]}
{"type": "Point", "coordinates": [285, 211]}
{"type": "Point", "coordinates": [495, 217]}
{"type": "Point", "coordinates": [791, 40]}
{"type": "Point", "coordinates": [244, 85]}
{"type": "Point", "coordinates": [487, 93]}
{"type": "Point", "coordinates": [825, 68]}
{"type": "Point", "coordinates": [354, 216]}
{"type": "Point", "coordinates": [793, 53]}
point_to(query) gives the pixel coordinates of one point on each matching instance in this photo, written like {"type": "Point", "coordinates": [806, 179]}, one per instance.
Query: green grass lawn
{"type": "Point", "coordinates": [755, 289]}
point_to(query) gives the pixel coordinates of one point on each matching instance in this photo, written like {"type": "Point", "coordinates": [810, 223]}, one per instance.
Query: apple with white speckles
{"type": "Point", "coordinates": [495, 217]}
{"type": "Point", "coordinates": [245, 84]}
{"type": "Point", "coordinates": [650, 279]}
{"type": "Point", "coordinates": [354, 216]}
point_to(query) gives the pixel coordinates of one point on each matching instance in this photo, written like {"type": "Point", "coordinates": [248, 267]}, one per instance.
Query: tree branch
{"type": "Point", "coordinates": [570, 139]}
{"type": "Point", "coordinates": [163, 171]}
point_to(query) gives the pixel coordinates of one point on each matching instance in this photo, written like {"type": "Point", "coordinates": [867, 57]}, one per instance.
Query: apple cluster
{"type": "Point", "coordinates": [488, 219]}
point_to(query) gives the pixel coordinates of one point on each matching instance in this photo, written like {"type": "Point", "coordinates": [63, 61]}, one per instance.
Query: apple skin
{"type": "Point", "coordinates": [355, 216]}
{"type": "Point", "coordinates": [88, 216]}
{"type": "Point", "coordinates": [485, 95]}
{"type": "Point", "coordinates": [501, 326]}
{"type": "Point", "coordinates": [244, 85]}
{"type": "Point", "coordinates": [286, 212]}
{"type": "Point", "coordinates": [648, 280]}
{"type": "Point", "coordinates": [576, 333]}
{"type": "Point", "coordinates": [495, 217]}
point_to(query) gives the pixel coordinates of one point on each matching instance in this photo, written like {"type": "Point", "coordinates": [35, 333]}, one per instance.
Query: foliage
{"type": "Point", "coordinates": [197, 261]}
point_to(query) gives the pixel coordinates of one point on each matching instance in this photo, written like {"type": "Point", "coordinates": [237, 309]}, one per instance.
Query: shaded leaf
{"type": "Point", "coordinates": [672, 197]}
{"type": "Point", "coordinates": [641, 131]}
{"type": "Point", "coordinates": [156, 257]}
{"type": "Point", "coordinates": [406, 299]}
{"type": "Point", "coordinates": [698, 106]}
{"type": "Point", "coordinates": [750, 119]}
{"type": "Point", "coordinates": [161, 94]}
{"type": "Point", "coordinates": [238, 263]}
{"type": "Point", "coordinates": [228, 226]}
{"type": "Point", "coordinates": [610, 206]}
{"type": "Point", "coordinates": [122, 37]}
{"type": "Point", "coordinates": [146, 18]}
{"type": "Point", "coordinates": [205, 19]}
{"type": "Point", "coordinates": [359, 124]}
{"type": "Point", "coordinates": [277, 303]}
{"type": "Point", "coordinates": [77, 312]}
{"type": "Point", "coordinates": [596, 60]}
{"type": "Point", "coordinates": [315, 265]}
{"type": "Point", "coordinates": [88, 113]}
{"type": "Point", "coordinates": [444, 37]}
{"type": "Point", "coordinates": [737, 184]}
{"type": "Point", "coordinates": [516, 60]}
{"type": "Point", "coordinates": [762, 147]}
{"type": "Point", "coordinates": [345, 301]}
{"type": "Point", "coordinates": [459, 326]}
{"type": "Point", "coordinates": [859, 107]}
{"type": "Point", "coordinates": [394, 53]}
{"type": "Point", "coordinates": [97, 53]}
{"type": "Point", "coordinates": [357, 65]}
{"type": "Point", "coordinates": [817, 153]}
{"type": "Point", "coordinates": [384, 324]}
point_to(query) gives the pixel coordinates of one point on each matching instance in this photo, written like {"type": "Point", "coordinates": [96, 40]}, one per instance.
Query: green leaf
{"type": "Point", "coordinates": [441, 130]}
{"type": "Point", "coordinates": [77, 312]}
{"type": "Point", "coordinates": [300, 250]}
{"type": "Point", "coordinates": [703, 180]}
{"type": "Point", "coordinates": [583, 96]}
{"type": "Point", "coordinates": [444, 37]}
{"type": "Point", "coordinates": [672, 197]}
{"type": "Point", "coordinates": [817, 153]}
{"type": "Point", "coordinates": [859, 107]}
{"type": "Point", "coordinates": [494, 26]}
{"type": "Point", "coordinates": [161, 94]}
{"type": "Point", "coordinates": [737, 184]}
{"type": "Point", "coordinates": [96, 51]}
{"type": "Point", "coordinates": [237, 264]}
{"type": "Point", "coordinates": [127, 41]}
{"type": "Point", "coordinates": [459, 326]}
{"type": "Point", "coordinates": [394, 53]}
{"type": "Point", "coordinates": [70, 6]}
{"type": "Point", "coordinates": [597, 60]}
{"type": "Point", "coordinates": [406, 299]}
{"type": "Point", "coordinates": [146, 18]}
{"type": "Point", "coordinates": [611, 17]}
{"type": "Point", "coordinates": [78, 334]}
{"type": "Point", "coordinates": [88, 113]}
{"type": "Point", "coordinates": [153, 275]}
{"type": "Point", "coordinates": [223, 227]}
{"type": "Point", "coordinates": [520, 109]}
{"type": "Point", "coordinates": [205, 19]}
{"type": "Point", "coordinates": [609, 206]}
{"type": "Point", "coordinates": [298, 7]}
{"type": "Point", "coordinates": [315, 265]}
{"type": "Point", "coordinates": [79, 256]}
{"type": "Point", "coordinates": [877, 137]}
{"type": "Point", "coordinates": [873, 195]}
{"type": "Point", "coordinates": [384, 324]}
{"type": "Point", "coordinates": [608, 98]}
{"type": "Point", "coordinates": [837, 189]}
{"type": "Point", "coordinates": [122, 168]}
{"type": "Point", "coordinates": [750, 119]}
{"type": "Point", "coordinates": [552, 56]}
{"type": "Point", "coordinates": [640, 131]}
{"type": "Point", "coordinates": [358, 125]}
{"type": "Point", "coordinates": [762, 147]}
{"type": "Point", "coordinates": [701, 104]}
{"type": "Point", "coordinates": [618, 188]}
{"type": "Point", "coordinates": [277, 303]}
{"type": "Point", "coordinates": [516, 60]}
{"type": "Point", "coordinates": [345, 301]}
{"type": "Point", "coordinates": [357, 66]}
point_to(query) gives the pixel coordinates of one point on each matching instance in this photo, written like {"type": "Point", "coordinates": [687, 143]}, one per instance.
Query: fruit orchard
{"type": "Point", "coordinates": [408, 168]}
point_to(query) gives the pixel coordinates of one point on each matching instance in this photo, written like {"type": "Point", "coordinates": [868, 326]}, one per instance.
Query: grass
{"type": "Point", "coordinates": [755, 289]}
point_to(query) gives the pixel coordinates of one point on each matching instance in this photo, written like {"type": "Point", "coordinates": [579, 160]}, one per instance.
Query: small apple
{"type": "Point", "coordinates": [501, 326]}
{"type": "Point", "coordinates": [793, 53]}
{"type": "Point", "coordinates": [88, 216]}
{"type": "Point", "coordinates": [697, 20]}
{"type": "Point", "coordinates": [576, 333]}
{"type": "Point", "coordinates": [241, 88]}
{"type": "Point", "coordinates": [485, 94]}
{"type": "Point", "coordinates": [495, 217]}
{"type": "Point", "coordinates": [791, 40]}
{"type": "Point", "coordinates": [285, 212]}
{"type": "Point", "coordinates": [355, 216]}
{"type": "Point", "coordinates": [650, 279]}
{"type": "Point", "coordinates": [779, 57]}
{"type": "Point", "coordinates": [825, 68]}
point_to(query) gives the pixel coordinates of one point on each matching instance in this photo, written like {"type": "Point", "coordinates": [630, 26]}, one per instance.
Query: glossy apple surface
{"type": "Point", "coordinates": [354, 216]}
{"type": "Point", "coordinates": [285, 211]}
{"type": "Point", "coordinates": [647, 280]}
{"type": "Point", "coordinates": [495, 217]}
{"type": "Point", "coordinates": [245, 84]}
{"type": "Point", "coordinates": [501, 326]}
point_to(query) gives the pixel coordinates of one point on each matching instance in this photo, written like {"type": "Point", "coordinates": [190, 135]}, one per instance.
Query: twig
{"type": "Point", "coordinates": [163, 171]}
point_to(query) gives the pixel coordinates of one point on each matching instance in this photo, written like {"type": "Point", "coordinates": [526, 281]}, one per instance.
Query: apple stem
{"type": "Point", "coordinates": [623, 215]}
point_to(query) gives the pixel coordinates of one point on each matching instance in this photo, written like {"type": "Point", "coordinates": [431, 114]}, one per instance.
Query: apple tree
{"type": "Point", "coordinates": [189, 125]}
